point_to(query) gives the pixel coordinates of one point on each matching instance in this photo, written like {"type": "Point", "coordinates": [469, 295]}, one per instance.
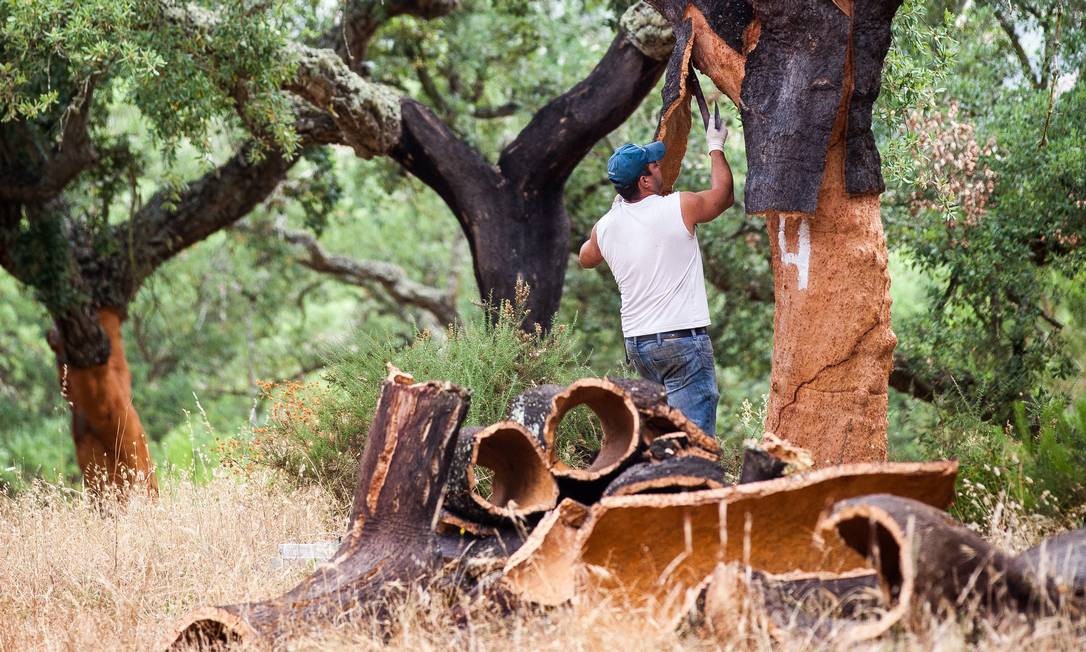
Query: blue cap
{"type": "Point", "coordinates": [629, 161]}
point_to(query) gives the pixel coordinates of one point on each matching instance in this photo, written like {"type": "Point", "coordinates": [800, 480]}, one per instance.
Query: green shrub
{"type": "Point", "coordinates": [315, 432]}
{"type": "Point", "coordinates": [1054, 443]}
{"type": "Point", "coordinates": [1036, 462]}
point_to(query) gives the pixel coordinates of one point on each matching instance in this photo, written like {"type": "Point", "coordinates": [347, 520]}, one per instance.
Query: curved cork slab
{"type": "Point", "coordinates": [520, 485]}
{"type": "Point", "coordinates": [1062, 557]}
{"type": "Point", "coordinates": [652, 549]}
{"type": "Point", "coordinates": [211, 628]}
{"type": "Point", "coordinates": [674, 126]}
{"type": "Point", "coordinates": [531, 408]}
{"type": "Point", "coordinates": [927, 562]}
{"type": "Point", "coordinates": [735, 596]}
{"type": "Point", "coordinates": [673, 475]}
{"type": "Point", "coordinates": [545, 568]}
{"type": "Point", "coordinates": [619, 420]}
{"type": "Point", "coordinates": [658, 418]}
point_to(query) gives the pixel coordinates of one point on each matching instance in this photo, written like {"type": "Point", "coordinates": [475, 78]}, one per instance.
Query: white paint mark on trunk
{"type": "Point", "coordinates": [800, 258]}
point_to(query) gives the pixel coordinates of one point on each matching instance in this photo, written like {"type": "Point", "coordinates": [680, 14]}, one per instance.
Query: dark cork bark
{"type": "Point", "coordinates": [658, 418]}
{"type": "Point", "coordinates": [871, 33]}
{"type": "Point", "coordinates": [676, 444]}
{"type": "Point", "coordinates": [927, 562]}
{"type": "Point", "coordinates": [520, 483]}
{"type": "Point", "coordinates": [1062, 557]}
{"type": "Point", "coordinates": [758, 465]}
{"type": "Point", "coordinates": [792, 88]}
{"type": "Point", "coordinates": [816, 604]}
{"type": "Point", "coordinates": [531, 409]}
{"type": "Point", "coordinates": [390, 541]}
{"type": "Point", "coordinates": [678, 474]}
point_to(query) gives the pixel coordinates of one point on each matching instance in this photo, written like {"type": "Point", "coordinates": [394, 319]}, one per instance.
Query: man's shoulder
{"type": "Point", "coordinates": [669, 200]}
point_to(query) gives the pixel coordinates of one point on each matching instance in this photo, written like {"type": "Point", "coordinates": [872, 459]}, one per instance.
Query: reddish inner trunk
{"type": "Point", "coordinates": [110, 443]}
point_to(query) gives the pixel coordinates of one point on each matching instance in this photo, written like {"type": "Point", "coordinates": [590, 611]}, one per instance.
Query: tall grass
{"type": "Point", "coordinates": [83, 575]}
{"type": "Point", "coordinates": [117, 577]}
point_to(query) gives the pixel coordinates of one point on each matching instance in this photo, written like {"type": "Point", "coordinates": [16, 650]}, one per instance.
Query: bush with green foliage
{"type": "Point", "coordinates": [316, 431]}
{"type": "Point", "coordinates": [1036, 462]}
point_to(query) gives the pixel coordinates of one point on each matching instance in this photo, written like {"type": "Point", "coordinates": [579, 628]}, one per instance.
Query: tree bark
{"type": "Point", "coordinates": [513, 214]}
{"type": "Point", "coordinates": [88, 304]}
{"type": "Point", "coordinates": [390, 540]}
{"type": "Point", "coordinates": [804, 78]}
{"type": "Point", "coordinates": [110, 443]}
{"type": "Point", "coordinates": [928, 564]}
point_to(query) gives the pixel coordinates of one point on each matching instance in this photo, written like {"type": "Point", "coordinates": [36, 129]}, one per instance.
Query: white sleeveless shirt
{"type": "Point", "coordinates": [656, 263]}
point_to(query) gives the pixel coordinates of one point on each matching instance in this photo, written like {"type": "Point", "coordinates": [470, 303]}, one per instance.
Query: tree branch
{"type": "Point", "coordinates": [363, 18]}
{"type": "Point", "coordinates": [73, 153]}
{"type": "Point", "coordinates": [500, 111]}
{"type": "Point", "coordinates": [904, 379]}
{"type": "Point", "coordinates": [429, 87]}
{"type": "Point", "coordinates": [1016, 45]}
{"type": "Point", "coordinates": [556, 139]}
{"type": "Point", "coordinates": [365, 273]}
{"type": "Point", "coordinates": [367, 114]}
{"type": "Point", "coordinates": [168, 224]}
{"type": "Point", "coordinates": [431, 151]}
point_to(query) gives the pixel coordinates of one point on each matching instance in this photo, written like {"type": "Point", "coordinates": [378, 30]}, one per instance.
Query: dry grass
{"type": "Point", "coordinates": [77, 577]}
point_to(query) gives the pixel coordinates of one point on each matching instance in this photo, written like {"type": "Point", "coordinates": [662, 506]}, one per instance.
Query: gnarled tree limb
{"type": "Point", "coordinates": [362, 19]}
{"type": "Point", "coordinates": [72, 154]}
{"type": "Point", "coordinates": [391, 277]}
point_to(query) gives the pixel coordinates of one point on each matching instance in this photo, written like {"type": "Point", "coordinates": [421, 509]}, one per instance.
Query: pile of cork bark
{"type": "Point", "coordinates": [652, 522]}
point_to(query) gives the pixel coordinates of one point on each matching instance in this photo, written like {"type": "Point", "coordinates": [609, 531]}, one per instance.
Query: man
{"type": "Point", "coordinates": [650, 243]}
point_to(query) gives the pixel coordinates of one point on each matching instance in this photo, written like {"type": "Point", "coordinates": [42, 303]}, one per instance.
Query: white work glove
{"type": "Point", "coordinates": [714, 138]}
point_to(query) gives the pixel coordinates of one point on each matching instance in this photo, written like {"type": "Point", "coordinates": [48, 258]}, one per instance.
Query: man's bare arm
{"type": "Point", "coordinates": [590, 255]}
{"type": "Point", "coordinates": [705, 206]}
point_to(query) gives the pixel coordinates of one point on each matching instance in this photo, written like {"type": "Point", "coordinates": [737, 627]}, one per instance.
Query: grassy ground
{"type": "Point", "coordinates": [78, 577]}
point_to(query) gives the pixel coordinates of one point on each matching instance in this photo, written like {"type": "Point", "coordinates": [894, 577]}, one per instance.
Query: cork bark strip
{"type": "Point", "coordinates": [520, 485]}
{"type": "Point", "coordinates": [927, 563]}
{"type": "Point", "coordinates": [651, 549]}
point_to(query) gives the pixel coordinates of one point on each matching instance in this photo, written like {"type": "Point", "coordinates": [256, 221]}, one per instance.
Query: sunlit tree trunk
{"type": "Point", "coordinates": [110, 442]}
{"type": "Point", "coordinates": [804, 76]}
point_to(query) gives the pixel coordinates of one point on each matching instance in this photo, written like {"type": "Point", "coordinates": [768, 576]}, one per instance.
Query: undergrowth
{"type": "Point", "coordinates": [1035, 465]}
{"type": "Point", "coordinates": [316, 431]}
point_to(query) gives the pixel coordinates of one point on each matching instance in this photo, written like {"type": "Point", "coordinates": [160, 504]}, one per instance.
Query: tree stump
{"type": "Point", "coordinates": [390, 540]}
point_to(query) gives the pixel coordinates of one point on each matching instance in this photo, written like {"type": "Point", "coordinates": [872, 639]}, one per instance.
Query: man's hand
{"type": "Point", "coordinates": [715, 137]}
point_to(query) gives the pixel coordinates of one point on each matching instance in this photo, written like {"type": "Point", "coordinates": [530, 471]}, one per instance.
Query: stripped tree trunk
{"type": "Point", "coordinates": [804, 76]}
{"type": "Point", "coordinates": [390, 540]}
{"type": "Point", "coordinates": [110, 443]}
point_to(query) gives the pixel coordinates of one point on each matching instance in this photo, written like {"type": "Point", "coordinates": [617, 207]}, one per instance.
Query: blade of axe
{"type": "Point", "coordinates": [703, 106]}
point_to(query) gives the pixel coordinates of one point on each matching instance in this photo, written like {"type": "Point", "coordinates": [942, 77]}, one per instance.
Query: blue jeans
{"type": "Point", "coordinates": [684, 366]}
